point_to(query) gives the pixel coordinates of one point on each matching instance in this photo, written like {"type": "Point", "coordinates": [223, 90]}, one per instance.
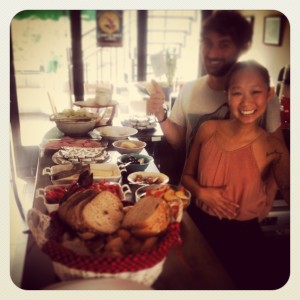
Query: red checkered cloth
{"type": "Point", "coordinates": [100, 264]}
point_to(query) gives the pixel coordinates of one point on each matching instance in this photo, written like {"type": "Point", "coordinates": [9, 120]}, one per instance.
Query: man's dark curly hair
{"type": "Point", "coordinates": [229, 22]}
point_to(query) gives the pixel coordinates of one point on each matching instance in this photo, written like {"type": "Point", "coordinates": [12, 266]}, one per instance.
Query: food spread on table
{"type": "Point", "coordinates": [169, 193]}
{"type": "Point", "coordinates": [67, 141]}
{"type": "Point", "coordinates": [95, 219]}
{"type": "Point", "coordinates": [67, 155]}
{"type": "Point", "coordinates": [147, 179]}
{"type": "Point", "coordinates": [140, 122]}
{"type": "Point", "coordinates": [133, 160]}
{"type": "Point", "coordinates": [72, 115]}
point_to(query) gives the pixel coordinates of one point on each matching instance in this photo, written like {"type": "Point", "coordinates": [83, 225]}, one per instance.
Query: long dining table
{"type": "Point", "coordinates": [190, 266]}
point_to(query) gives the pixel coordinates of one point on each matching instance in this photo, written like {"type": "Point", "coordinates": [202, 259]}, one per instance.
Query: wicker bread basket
{"type": "Point", "coordinates": [143, 267]}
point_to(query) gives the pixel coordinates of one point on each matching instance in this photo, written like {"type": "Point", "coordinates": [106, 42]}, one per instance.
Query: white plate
{"type": "Point", "coordinates": [98, 284]}
{"type": "Point", "coordinates": [115, 132]}
{"type": "Point", "coordinates": [140, 122]}
{"type": "Point", "coordinates": [131, 177]}
{"type": "Point", "coordinates": [92, 103]}
{"type": "Point", "coordinates": [59, 160]}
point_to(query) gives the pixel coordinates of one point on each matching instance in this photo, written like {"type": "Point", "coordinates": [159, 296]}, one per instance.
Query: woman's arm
{"type": "Point", "coordinates": [281, 168]}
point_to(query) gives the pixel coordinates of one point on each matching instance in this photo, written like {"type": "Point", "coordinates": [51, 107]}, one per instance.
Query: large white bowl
{"type": "Point", "coordinates": [139, 146]}
{"type": "Point", "coordinates": [115, 133]}
{"type": "Point", "coordinates": [75, 128]}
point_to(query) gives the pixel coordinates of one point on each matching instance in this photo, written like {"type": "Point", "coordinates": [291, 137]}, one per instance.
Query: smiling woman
{"type": "Point", "coordinates": [248, 98]}
{"type": "Point", "coordinates": [229, 204]}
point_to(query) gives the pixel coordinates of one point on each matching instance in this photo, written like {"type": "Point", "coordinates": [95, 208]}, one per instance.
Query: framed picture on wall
{"type": "Point", "coordinates": [272, 30]}
{"type": "Point", "coordinates": [109, 28]}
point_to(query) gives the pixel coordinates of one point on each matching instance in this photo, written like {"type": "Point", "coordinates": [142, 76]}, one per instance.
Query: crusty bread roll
{"type": "Point", "coordinates": [148, 217]}
{"type": "Point", "coordinates": [104, 213]}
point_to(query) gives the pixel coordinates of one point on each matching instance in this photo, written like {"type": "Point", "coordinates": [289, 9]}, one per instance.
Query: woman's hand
{"type": "Point", "coordinates": [218, 204]}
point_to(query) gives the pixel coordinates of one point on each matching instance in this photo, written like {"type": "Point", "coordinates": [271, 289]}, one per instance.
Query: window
{"type": "Point", "coordinates": [109, 64]}
{"type": "Point", "coordinates": [177, 31]}
{"type": "Point", "coordinates": [40, 41]}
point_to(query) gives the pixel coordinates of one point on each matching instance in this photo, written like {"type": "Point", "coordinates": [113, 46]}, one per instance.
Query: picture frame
{"type": "Point", "coordinates": [272, 30]}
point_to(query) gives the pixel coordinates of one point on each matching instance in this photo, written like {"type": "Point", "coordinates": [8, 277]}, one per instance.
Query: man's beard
{"type": "Point", "coordinates": [222, 71]}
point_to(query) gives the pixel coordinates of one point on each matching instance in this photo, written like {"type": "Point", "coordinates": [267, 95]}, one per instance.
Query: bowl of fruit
{"type": "Point", "coordinates": [168, 192]}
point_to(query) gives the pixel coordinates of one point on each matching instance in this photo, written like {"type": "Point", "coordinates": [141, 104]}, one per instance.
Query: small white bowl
{"type": "Point", "coordinates": [134, 167]}
{"type": "Point", "coordinates": [51, 203]}
{"type": "Point", "coordinates": [129, 146]}
{"type": "Point", "coordinates": [162, 178]}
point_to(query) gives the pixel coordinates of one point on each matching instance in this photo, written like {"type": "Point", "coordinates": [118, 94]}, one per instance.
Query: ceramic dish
{"type": "Point", "coordinates": [134, 162]}
{"type": "Point", "coordinates": [52, 194]}
{"type": "Point", "coordinates": [168, 192]}
{"type": "Point", "coordinates": [140, 122]}
{"type": "Point", "coordinates": [147, 178]}
{"type": "Point", "coordinates": [58, 159]}
{"type": "Point", "coordinates": [129, 146]}
{"type": "Point", "coordinates": [79, 126]}
{"type": "Point", "coordinates": [114, 133]}
{"type": "Point", "coordinates": [105, 171]}
{"type": "Point", "coordinates": [93, 103]}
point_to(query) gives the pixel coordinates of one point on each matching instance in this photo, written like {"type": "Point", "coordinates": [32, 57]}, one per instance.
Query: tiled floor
{"type": "Point", "coordinates": [18, 239]}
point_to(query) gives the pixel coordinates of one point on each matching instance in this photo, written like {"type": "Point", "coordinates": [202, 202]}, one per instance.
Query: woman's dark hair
{"type": "Point", "coordinates": [248, 64]}
{"type": "Point", "coordinates": [232, 23]}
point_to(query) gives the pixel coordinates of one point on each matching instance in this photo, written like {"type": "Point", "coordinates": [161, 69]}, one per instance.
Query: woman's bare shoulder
{"type": "Point", "coordinates": [210, 125]}
{"type": "Point", "coordinates": [207, 129]}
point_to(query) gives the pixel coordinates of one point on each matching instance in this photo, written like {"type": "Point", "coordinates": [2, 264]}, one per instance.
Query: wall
{"type": "Point", "coordinates": [272, 57]}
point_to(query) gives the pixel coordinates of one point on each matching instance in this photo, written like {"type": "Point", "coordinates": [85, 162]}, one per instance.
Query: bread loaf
{"type": "Point", "coordinates": [148, 217]}
{"type": "Point", "coordinates": [89, 213]}
{"type": "Point", "coordinates": [65, 210]}
{"type": "Point", "coordinates": [104, 213]}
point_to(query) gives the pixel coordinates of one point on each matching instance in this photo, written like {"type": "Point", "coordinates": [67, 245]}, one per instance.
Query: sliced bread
{"type": "Point", "coordinates": [103, 214]}
{"type": "Point", "coordinates": [70, 211]}
{"type": "Point", "coordinates": [149, 216]}
{"type": "Point", "coordinates": [75, 211]}
{"type": "Point", "coordinates": [64, 207]}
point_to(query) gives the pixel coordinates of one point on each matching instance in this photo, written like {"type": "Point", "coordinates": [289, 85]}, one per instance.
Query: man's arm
{"type": "Point", "coordinates": [173, 133]}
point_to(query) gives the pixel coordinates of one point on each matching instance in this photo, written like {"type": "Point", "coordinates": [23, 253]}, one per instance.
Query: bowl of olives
{"type": "Point", "coordinates": [134, 162]}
